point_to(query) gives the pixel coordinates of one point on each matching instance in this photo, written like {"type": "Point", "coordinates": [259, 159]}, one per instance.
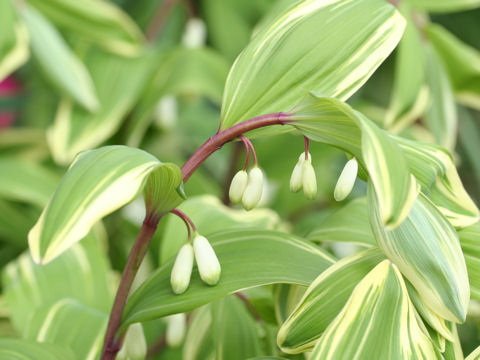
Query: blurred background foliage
{"type": "Point", "coordinates": [75, 75]}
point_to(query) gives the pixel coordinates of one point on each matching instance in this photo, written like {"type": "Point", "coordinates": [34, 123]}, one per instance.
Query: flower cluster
{"type": "Point", "coordinates": [247, 188]}
{"type": "Point", "coordinates": [207, 262]}
{"type": "Point", "coordinates": [303, 176]}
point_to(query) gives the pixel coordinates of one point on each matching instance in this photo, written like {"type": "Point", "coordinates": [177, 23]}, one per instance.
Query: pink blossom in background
{"type": "Point", "coordinates": [9, 87]}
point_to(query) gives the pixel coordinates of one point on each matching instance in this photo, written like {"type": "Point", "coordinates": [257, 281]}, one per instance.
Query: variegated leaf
{"type": "Point", "coordinates": [13, 41]}
{"type": "Point", "coordinates": [119, 82]}
{"type": "Point", "coordinates": [441, 114]}
{"type": "Point", "coordinates": [249, 258]}
{"type": "Point", "coordinates": [434, 169]}
{"type": "Point", "coordinates": [64, 323]}
{"type": "Point", "coordinates": [96, 184]}
{"type": "Point", "coordinates": [461, 61]}
{"type": "Point", "coordinates": [407, 101]}
{"type": "Point", "coordinates": [470, 242]}
{"type": "Point", "coordinates": [80, 274]}
{"type": "Point", "coordinates": [324, 299]}
{"type": "Point", "coordinates": [378, 322]}
{"type": "Point", "coordinates": [347, 224]}
{"type": "Point", "coordinates": [333, 122]}
{"type": "Point", "coordinates": [426, 249]}
{"type": "Point", "coordinates": [431, 318]}
{"type": "Point", "coordinates": [99, 21]}
{"type": "Point", "coordinates": [296, 51]}
{"type": "Point", "coordinates": [57, 60]}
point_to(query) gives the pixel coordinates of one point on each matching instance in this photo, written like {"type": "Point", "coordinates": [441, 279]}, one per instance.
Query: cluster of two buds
{"type": "Point", "coordinates": [207, 262]}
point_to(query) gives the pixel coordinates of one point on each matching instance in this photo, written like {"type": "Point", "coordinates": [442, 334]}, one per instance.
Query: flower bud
{"type": "Point", "coordinates": [195, 33]}
{"type": "Point", "coordinates": [238, 186]}
{"type": "Point", "coordinates": [297, 174]}
{"type": "Point", "coordinates": [309, 181]}
{"type": "Point", "coordinates": [253, 191]}
{"type": "Point", "coordinates": [208, 265]}
{"type": "Point", "coordinates": [122, 354]}
{"type": "Point", "coordinates": [182, 269]}
{"type": "Point", "coordinates": [176, 328]}
{"type": "Point", "coordinates": [135, 343]}
{"type": "Point", "coordinates": [346, 180]}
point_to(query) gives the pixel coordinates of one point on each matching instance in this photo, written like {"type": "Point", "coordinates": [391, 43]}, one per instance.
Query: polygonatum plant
{"type": "Point", "coordinates": [392, 273]}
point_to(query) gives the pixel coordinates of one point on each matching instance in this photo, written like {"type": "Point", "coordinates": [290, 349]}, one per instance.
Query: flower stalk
{"type": "Point", "coordinates": [113, 340]}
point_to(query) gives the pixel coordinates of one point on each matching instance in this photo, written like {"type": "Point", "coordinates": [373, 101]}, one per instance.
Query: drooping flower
{"type": "Point", "coordinates": [182, 269]}
{"type": "Point", "coordinates": [238, 186]}
{"type": "Point", "coordinates": [253, 191]}
{"type": "Point", "coordinates": [207, 261]}
{"type": "Point", "coordinates": [176, 329]}
{"type": "Point", "coordinates": [346, 180]}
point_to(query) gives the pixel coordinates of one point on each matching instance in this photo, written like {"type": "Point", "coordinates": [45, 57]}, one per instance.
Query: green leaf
{"type": "Point", "coordinates": [97, 183]}
{"type": "Point", "coordinates": [441, 115]}
{"type": "Point", "coordinates": [461, 61]}
{"type": "Point", "coordinates": [409, 78]}
{"type": "Point", "coordinates": [57, 60]}
{"type": "Point", "coordinates": [235, 331]}
{"type": "Point", "coordinates": [163, 189]}
{"type": "Point", "coordinates": [474, 355]}
{"type": "Point", "coordinates": [16, 349]}
{"type": "Point", "coordinates": [13, 41]}
{"type": "Point", "coordinates": [469, 139]}
{"type": "Point", "coordinates": [348, 224]}
{"type": "Point", "coordinates": [80, 273]}
{"type": "Point", "coordinates": [98, 21]}
{"type": "Point", "coordinates": [433, 320]}
{"type": "Point", "coordinates": [426, 249]}
{"type": "Point", "coordinates": [119, 82]}
{"type": "Point", "coordinates": [470, 242]}
{"type": "Point", "coordinates": [183, 71]}
{"type": "Point", "coordinates": [297, 51]}
{"type": "Point", "coordinates": [14, 223]}
{"type": "Point", "coordinates": [248, 258]}
{"type": "Point", "coordinates": [333, 122]}
{"type": "Point", "coordinates": [26, 181]}
{"type": "Point", "coordinates": [65, 323]}
{"type": "Point", "coordinates": [378, 310]}
{"type": "Point", "coordinates": [444, 5]}
{"type": "Point", "coordinates": [202, 209]}
{"type": "Point", "coordinates": [198, 341]}
{"type": "Point", "coordinates": [324, 299]}
{"type": "Point", "coordinates": [286, 299]}
{"type": "Point", "coordinates": [434, 169]}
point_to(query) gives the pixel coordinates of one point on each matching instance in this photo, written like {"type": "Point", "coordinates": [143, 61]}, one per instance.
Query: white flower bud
{"type": "Point", "coordinates": [135, 343]}
{"type": "Point", "coordinates": [182, 269]}
{"type": "Point", "coordinates": [208, 265]}
{"type": "Point", "coordinates": [253, 191]}
{"type": "Point", "coordinates": [166, 112]}
{"type": "Point", "coordinates": [195, 33]}
{"type": "Point", "coordinates": [176, 328]}
{"type": "Point", "coordinates": [309, 180]}
{"type": "Point", "coordinates": [238, 186]}
{"type": "Point", "coordinates": [346, 180]}
{"type": "Point", "coordinates": [296, 179]}
{"type": "Point", "coordinates": [122, 354]}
